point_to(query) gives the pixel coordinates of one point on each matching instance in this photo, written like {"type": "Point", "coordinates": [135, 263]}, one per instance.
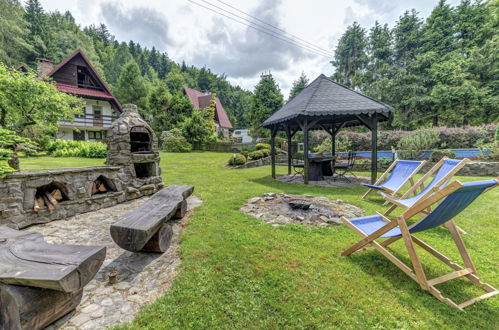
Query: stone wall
{"type": "Point", "coordinates": [17, 191]}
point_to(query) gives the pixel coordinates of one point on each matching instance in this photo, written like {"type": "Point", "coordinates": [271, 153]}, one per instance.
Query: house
{"type": "Point", "coordinates": [242, 136]}
{"type": "Point", "coordinates": [202, 100]}
{"type": "Point", "coordinates": [76, 75]}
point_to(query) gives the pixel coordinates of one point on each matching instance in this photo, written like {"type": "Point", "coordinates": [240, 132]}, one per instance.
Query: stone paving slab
{"type": "Point", "coordinates": [142, 277]}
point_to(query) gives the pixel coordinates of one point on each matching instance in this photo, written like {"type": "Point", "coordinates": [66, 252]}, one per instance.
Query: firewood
{"type": "Point", "coordinates": [94, 188]}
{"type": "Point", "coordinates": [57, 194]}
{"type": "Point", "coordinates": [41, 201]}
{"type": "Point", "coordinates": [47, 202]}
{"type": "Point", "coordinates": [36, 208]}
{"type": "Point", "coordinates": [102, 187]}
{"type": "Point", "coordinates": [51, 199]}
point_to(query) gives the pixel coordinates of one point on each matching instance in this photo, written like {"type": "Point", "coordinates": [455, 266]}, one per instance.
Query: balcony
{"type": "Point", "coordinates": [90, 120]}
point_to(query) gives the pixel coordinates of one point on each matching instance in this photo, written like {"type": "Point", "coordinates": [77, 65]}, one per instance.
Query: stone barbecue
{"type": "Point", "coordinates": [131, 171]}
{"type": "Point", "coordinates": [281, 209]}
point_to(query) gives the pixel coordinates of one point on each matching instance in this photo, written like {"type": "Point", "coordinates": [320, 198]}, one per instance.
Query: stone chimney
{"type": "Point", "coordinates": [44, 66]}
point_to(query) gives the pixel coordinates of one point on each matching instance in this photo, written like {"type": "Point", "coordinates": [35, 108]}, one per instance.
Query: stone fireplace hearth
{"type": "Point", "coordinates": [132, 171]}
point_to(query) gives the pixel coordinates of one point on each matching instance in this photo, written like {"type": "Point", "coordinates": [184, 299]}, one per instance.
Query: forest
{"type": "Point", "coordinates": [438, 71]}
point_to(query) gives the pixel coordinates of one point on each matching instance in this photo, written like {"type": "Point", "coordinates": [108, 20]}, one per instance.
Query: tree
{"type": "Point", "coordinates": [14, 45]}
{"type": "Point", "coordinates": [131, 86]}
{"type": "Point", "coordinates": [26, 101]}
{"type": "Point", "coordinates": [175, 81]}
{"type": "Point", "coordinates": [195, 129]}
{"type": "Point", "coordinates": [298, 85]}
{"type": "Point", "coordinates": [407, 38]}
{"type": "Point", "coordinates": [267, 99]}
{"type": "Point", "coordinates": [209, 115]}
{"type": "Point", "coordinates": [350, 58]}
{"type": "Point", "coordinates": [37, 21]}
{"type": "Point", "coordinates": [168, 111]}
{"type": "Point", "coordinates": [439, 30]}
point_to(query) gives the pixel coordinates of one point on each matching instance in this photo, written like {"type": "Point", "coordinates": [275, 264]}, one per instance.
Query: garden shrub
{"type": "Point", "coordinates": [260, 146]}
{"type": "Point", "coordinates": [237, 159]}
{"type": "Point", "coordinates": [174, 141]}
{"type": "Point", "coordinates": [438, 154]}
{"type": "Point", "coordinates": [254, 155]}
{"type": "Point", "coordinates": [265, 152]}
{"type": "Point", "coordinates": [10, 144]}
{"type": "Point", "coordinates": [342, 144]}
{"type": "Point", "coordinates": [69, 148]}
{"type": "Point", "coordinates": [425, 139]}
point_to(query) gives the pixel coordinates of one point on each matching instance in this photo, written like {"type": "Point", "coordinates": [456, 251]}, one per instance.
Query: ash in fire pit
{"type": "Point", "coordinates": [280, 209]}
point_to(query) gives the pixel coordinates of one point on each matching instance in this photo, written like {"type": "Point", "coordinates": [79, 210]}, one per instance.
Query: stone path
{"type": "Point", "coordinates": [328, 182]}
{"type": "Point", "coordinates": [142, 277]}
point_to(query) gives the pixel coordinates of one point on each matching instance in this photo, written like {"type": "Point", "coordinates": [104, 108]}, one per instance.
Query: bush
{"type": "Point", "coordinates": [256, 155]}
{"type": "Point", "coordinates": [261, 146]}
{"type": "Point", "coordinates": [342, 144]}
{"type": "Point", "coordinates": [417, 141]}
{"type": "Point", "coordinates": [173, 141]}
{"type": "Point", "coordinates": [438, 154]}
{"type": "Point", "coordinates": [265, 152]}
{"type": "Point", "coordinates": [69, 148]}
{"type": "Point", "coordinates": [237, 159]}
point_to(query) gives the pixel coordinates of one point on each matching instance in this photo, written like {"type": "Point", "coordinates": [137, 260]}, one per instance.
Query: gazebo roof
{"type": "Point", "coordinates": [324, 97]}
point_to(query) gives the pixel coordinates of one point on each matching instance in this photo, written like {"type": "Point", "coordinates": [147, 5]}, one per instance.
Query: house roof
{"type": "Point", "coordinates": [23, 68]}
{"type": "Point", "coordinates": [324, 97]}
{"type": "Point", "coordinates": [85, 92]}
{"type": "Point", "coordinates": [202, 100]}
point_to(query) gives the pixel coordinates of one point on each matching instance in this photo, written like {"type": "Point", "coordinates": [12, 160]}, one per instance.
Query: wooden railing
{"type": "Point", "coordinates": [90, 120]}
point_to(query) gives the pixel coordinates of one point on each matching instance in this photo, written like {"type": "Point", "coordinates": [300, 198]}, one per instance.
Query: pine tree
{"type": "Point", "coordinates": [407, 36]}
{"type": "Point", "coordinates": [298, 85]}
{"type": "Point", "coordinates": [131, 86]}
{"type": "Point", "coordinates": [38, 31]}
{"type": "Point", "coordinates": [267, 100]}
{"type": "Point", "coordinates": [350, 57]}
{"type": "Point", "coordinates": [439, 30]}
{"type": "Point", "coordinates": [14, 44]}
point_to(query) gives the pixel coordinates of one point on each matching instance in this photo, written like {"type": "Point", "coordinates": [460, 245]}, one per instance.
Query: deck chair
{"type": "Point", "coordinates": [399, 173]}
{"type": "Point", "coordinates": [456, 197]}
{"type": "Point", "coordinates": [444, 170]}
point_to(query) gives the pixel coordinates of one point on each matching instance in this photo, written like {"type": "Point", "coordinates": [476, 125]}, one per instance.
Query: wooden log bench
{"type": "Point", "coordinates": [41, 282]}
{"type": "Point", "coordinates": [145, 228]}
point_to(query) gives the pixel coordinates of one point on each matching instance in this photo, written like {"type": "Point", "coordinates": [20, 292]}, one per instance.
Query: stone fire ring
{"type": "Point", "coordinates": [283, 209]}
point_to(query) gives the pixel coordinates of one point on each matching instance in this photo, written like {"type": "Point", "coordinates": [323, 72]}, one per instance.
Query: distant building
{"type": "Point", "coordinates": [76, 75]}
{"type": "Point", "coordinates": [242, 136]}
{"type": "Point", "coordinates": [202, 100]}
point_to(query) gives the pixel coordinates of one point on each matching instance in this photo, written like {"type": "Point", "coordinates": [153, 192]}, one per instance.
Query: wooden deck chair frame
{"type": "Point", "coordinates": [417, 272]}
{"type": "Point", "coordinates": [384, 176]}
{"type": "Point", "coordinates": [420, 184]}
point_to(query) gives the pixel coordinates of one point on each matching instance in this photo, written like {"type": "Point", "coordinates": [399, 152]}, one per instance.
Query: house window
{"type": "Point", "coordinates": [95, 135]}
{"type": "Point", "coordinates": [97, 112]}
{"type": "Point", "coordinates": [237, 132]}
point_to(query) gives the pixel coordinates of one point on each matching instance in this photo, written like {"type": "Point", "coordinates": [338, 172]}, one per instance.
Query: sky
{"type": "Point", "coordinates": [198, 36]}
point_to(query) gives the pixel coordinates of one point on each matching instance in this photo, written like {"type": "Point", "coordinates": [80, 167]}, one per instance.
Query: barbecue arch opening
{"type": "Point", "coordinates": [140, 140]}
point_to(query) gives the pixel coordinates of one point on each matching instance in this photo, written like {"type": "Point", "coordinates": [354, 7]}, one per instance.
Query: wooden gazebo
{"type": "Point", "coordinates": [329, 106]}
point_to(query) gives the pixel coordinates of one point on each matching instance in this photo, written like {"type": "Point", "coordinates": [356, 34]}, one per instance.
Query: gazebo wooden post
{"type": "Point", "coordinates": [305, 150]}
{"type": "Point", "coordinates": [290, 150]}
{"type": "Point", "coordinates": [374, 148]}
{"type": "Point", "coordinates": [272, 148]}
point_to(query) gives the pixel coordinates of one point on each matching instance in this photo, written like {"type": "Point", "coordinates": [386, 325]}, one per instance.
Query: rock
{"type": "Point", "coordinates": [269, 195]}
{"type": "Point", "coordinates": [254, 200]}
{"type": "Point", "coordinates": [90, 308]}
{"type": "Point", "coordinates": [97, 314]}
{"type": "Point", "coordinates": [79, 320]}
{"type": "Point", "coordinates": [122, 286]}
{"type": "Point", "coordinates": [107, 302]}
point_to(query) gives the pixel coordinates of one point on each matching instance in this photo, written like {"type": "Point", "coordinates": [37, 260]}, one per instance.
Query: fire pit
{"type": "Point", "coordinates": [280, 209]}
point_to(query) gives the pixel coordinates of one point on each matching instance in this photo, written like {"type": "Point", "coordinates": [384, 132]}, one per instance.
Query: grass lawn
{"type": "Point", "coordinates": [239, 272]}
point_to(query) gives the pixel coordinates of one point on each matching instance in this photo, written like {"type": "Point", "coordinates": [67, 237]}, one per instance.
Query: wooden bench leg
{"type": "Point", "coordinates": [23, 308]}
{"type": "Point", "coordinates": [160, 242]}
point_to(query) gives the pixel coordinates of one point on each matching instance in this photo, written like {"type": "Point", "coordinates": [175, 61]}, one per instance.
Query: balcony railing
{"type": "Point", "coordinates": [91, 120]}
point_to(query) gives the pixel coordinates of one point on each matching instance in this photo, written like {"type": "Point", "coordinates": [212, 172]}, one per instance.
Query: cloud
{"type": "Point", "coordinates": [244, 54]}
{"type": "Point", "coordinates": [142, 24]}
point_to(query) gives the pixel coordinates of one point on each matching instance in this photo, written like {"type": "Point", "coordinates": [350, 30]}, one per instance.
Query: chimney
{"type": "Point", "coordinates": [44, 66]}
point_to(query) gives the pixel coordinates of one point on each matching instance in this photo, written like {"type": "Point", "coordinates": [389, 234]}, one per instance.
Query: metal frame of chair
{"type": "Point", "coordinates": [346, 168]}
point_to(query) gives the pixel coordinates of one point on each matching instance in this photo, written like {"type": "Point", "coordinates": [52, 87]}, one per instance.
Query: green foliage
{"type": "Point", "coordinates": [237, 159]}
{"type": "Point", "coordinates": [169, 111]}
{"type": "Point", "coordinates": [267, 100]}
{"type": "Point", "coordinates": [173, 141]}
{"type": "Point", "coordinates": [438, 154]}
{"type": "Point", "coordinates": [11, 143]}
{"type": "Point", "coordinates": [260, 146]}
{"type": "Point", "coordinates": [131, 86]}
{"type": "Point", "coordinates": [256, 155]}
{"type": "Point", "coordinates": [442, 71]}
{"type": "Point", "coordinates": [27, 101]}
{"type": "Point", "coordinates": [195, 128]}
{"type": "Point", "coordinates": [425, 139]}
{"type": "Point", "coordinates": [343, 143]}
{"type": "Point", "coordinates": [298, 85]}
{"type": "Point", "coordinates": [70, 148]}
{"type": "Point", "coordinates": [14, 45]}
{"type": "Point", "coordinates": [350, 58]}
